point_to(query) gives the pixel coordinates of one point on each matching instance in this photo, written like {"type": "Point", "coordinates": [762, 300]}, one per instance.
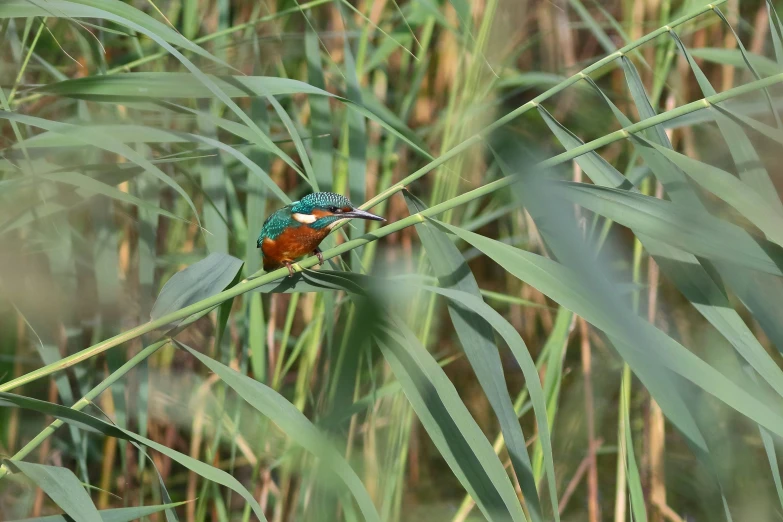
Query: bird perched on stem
{"type": "Point", "coordinates": [297, 229]}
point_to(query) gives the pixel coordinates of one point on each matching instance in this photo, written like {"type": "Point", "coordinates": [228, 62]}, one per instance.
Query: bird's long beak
{"type": "Point", "coordinates": [361, 214]}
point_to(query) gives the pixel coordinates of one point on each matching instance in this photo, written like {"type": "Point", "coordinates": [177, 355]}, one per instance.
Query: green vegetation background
{"type": "Point", "coordinates": [572, 313]}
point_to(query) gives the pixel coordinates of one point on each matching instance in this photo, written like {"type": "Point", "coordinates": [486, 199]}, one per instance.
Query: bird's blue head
{"type": "Point", "coordinates": [324, 209]}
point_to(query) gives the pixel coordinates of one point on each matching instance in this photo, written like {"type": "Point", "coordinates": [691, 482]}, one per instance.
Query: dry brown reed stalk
{"type": "Point", "coordinates": [265, 488]}
{"type": "Point", "coordinates": [729, 42]}
{"type": "Point", "coordinates": [760, 31]}
{"type": "Point", "coordinates": [579, 474]}
{"type": "Point", "coordinates": [593, 508]}
{"type": "Point", "coordinates": [372, 475]}
{"type": "Point", "coordinates": [40, 497]}
{"type": "Point", "coordinates": [656, 424]}
{"type": "Point", "coordinates": [566, 43]}
{"type": "Point", "coordinates": [109, 452]}
{"type": "Point", "coordinates": [197, 435]}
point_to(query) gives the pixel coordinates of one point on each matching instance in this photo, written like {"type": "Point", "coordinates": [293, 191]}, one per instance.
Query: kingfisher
{"type": "Point", "coordinates": [297, 229]}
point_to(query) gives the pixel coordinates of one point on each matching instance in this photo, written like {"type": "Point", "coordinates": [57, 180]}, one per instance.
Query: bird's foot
{"type": "Point", "coordinates": [290, 269]}
{"type": "Point", "coordinates": [319, 255]}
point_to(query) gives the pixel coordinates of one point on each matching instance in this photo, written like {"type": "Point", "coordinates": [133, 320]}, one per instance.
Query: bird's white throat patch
{"type": "Point", "coordinates": [304, 218]}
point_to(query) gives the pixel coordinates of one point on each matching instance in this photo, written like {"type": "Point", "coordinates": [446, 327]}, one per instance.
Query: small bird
{"type": "Point", "coordinates": [297, 229]}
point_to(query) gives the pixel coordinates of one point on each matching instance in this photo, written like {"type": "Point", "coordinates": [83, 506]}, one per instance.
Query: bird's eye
{"type": "Point", "coordinates": [334, 210]}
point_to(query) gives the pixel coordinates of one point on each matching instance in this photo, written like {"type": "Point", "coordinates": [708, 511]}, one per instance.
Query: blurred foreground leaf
{"type": "Point", "coordinates": [128, 514]}
{"type": "Point", "coordinates": [63, 487]}
{"type": "Point", "coordinates": [199, 281]}
{"type": "Point", "coordinates": [82, 419]}
{"type": "Point", "coordinates": [478, 342]}
{"type": "Point", "coordinates": [294, 424]}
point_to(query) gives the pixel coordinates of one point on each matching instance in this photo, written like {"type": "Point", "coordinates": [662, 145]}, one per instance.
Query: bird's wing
{"type": "Point", "coordinates": [275, 224]}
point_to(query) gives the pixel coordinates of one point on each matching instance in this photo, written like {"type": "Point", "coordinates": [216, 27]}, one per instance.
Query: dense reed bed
{"type": "Point", "coordinates": [573, 311]}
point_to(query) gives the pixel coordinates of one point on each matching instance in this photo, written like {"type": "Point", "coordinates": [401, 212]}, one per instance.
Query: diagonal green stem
{"type": "Point", "coordinates": [84, 401]}
{"type": "Point", "coordinates": [251, 284]}
{"type": "Point", "coordinates": [26, 61]}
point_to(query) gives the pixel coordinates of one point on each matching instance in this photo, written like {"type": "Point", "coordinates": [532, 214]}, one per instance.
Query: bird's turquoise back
{"type": "Point", "coordinates": [276, 223]}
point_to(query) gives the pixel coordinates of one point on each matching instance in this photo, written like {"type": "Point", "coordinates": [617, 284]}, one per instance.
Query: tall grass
{"type": "Point", "coordinates": [571, 314]}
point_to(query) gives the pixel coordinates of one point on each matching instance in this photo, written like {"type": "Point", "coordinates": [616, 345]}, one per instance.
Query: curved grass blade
{"type": "Point", "coordinates": [104, 142]}
{"type": "Point", "coordinates": [565, 287]}
{"type": "Point", "coordinates": [449, 424]}
{"type": "Point", "coordinates": [674, 181]}
{"type": "Point", "coordinates": [199, 281]}
{"type": "Point", "coordinates": [172, 85]}
{"type": "Point", "coordinates": [294, 424]}
{"type": "Point", "coordinates": [751, 168]}
{"type": "Point", "coordinates": [261, 141]}
{"type": "Point", "coordinates": [132, 18]}
{"type": "Point", "coordinates": [734, 57]}
{"type": "Point", "coordinates": [526, 363]}
{"type": "Point", "coordinates": [703, 291]}
{"type": "Point", "coordinates": [113, 10]}
{"type": "Point", "coordinates": [93, 186]}
{"type": "Point", "coordinates": [600, 171]}
{"type": "Point", "coordinates": [247, 162]}
{"type": "Point", "coordinates": [85, 421]}
{"type": "Point", "coordinates": [762, 128]}
{"type": "Point", "coordinates": [775, 30]}
{"type": "Point", "coordinates": [748, 202]}
{"type": "Point", "coordinates": [748, 63]}
{"type": "Point", "coordinates": [294, 134]}
{"type": "Point", "coordinates": [128, 514]}
{"type": "Point", "coordinates": [692, 231]}
{"type": "Point", "coordinates": [63, 488]}
{"type": "Point", "coordinates": [478, 343]}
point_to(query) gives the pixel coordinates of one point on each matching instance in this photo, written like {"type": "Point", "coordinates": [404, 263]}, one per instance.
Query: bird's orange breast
{"type": "Point", "coordinates": [292, 243]}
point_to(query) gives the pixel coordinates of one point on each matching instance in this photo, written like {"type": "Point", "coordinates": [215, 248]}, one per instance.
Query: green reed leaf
{"type": "Point", "coordinates": [102, 141]}
{"type": "Point", "coordinates": [199, 281]}
{"type": "Point", "coordinates": [689, 230]}
{"type": "Point", "coordinates": [751, 168]}
{"type": "Point", "coordinates": [526, 363]}
{"type": "Point", "coordinates": [62, 486]}
{"type": "Point", "coordinates": [83, 420]}
{"type": "Point", "coordinates": [478, 341]}
{"type": "Point", "coordinates": [128, 514]}
{"type": "Point", "coordinates": [123, 87]}
{"type": "Point", "coordinates": [734, 57]}
{"type": "Point", "coordinates": [93, 186]}
{"type": "Point", "coordinates": [748, 202]}
{"type": "Point", "coordinates": [450, 425]}
{"type": "Point", "coordinates": [565, 287]}
{"type": "Point", "coordinates": [294, 424]}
